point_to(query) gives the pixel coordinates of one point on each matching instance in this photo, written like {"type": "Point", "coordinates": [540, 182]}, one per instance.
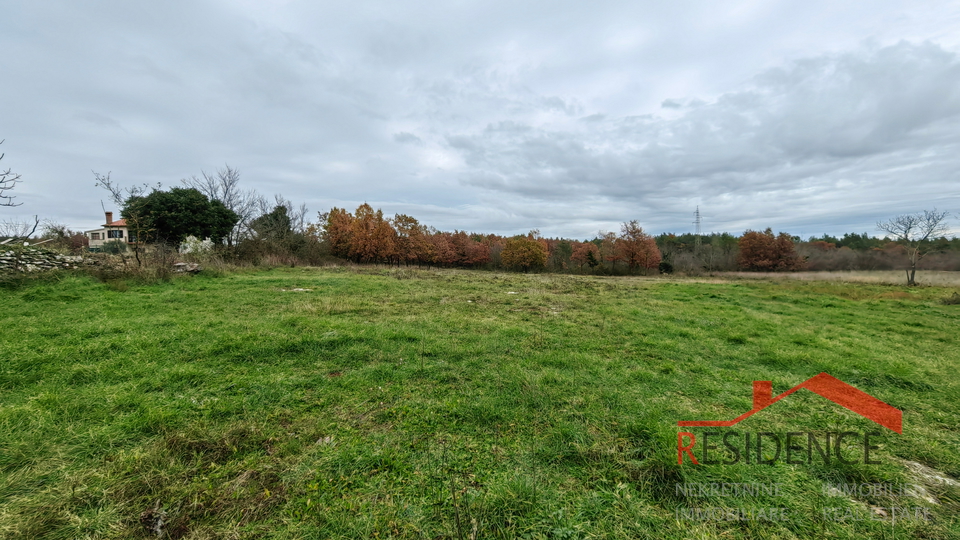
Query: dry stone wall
{"type": "Point", "coordinates": [36, 260]}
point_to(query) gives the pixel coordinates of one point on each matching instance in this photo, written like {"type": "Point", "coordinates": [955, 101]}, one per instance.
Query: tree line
{"type": "Point", "coordinates": [367, 236]}
{"type": "Point", "coordinates": [252, 228]}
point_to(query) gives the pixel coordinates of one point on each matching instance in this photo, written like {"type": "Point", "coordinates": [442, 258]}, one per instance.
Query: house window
{"type": "Point", "coordinates": [95, 236]}
{"type": "Point", "coordinates": [115, 234]}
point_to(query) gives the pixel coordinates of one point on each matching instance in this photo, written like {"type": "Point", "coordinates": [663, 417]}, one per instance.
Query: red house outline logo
{"type": "Point", "coordinates": [825, 385]}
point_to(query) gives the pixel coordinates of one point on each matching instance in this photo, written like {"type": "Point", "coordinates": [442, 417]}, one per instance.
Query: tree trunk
{"type": "Point", "coordinates": [912, 272]}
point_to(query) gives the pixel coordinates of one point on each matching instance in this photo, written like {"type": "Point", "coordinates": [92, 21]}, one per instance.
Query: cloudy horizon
{"type": "Point", "coordinates": [495, 117]}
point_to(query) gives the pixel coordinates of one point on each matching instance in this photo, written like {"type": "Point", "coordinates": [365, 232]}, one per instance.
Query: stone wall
{"type": "Point", "coordinates": [29, 259]}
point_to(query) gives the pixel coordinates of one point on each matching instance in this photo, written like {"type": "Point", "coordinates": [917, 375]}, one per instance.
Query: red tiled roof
{"type": "Point", "coordinates": [117, 223]}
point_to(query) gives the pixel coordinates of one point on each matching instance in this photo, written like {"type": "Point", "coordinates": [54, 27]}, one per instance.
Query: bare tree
{"type": "Point", "coordinates": [8, 180]}
{"type": "Point", "coordinates": [297, 215]}
{"type": "Point", "coordinates": [135, 223]}
{"type": "Point", "coordinates": [224, 186]}
{"type": "Point", "coordinates": [63, 237]}
{"type": "Point", "coordinates": [18, 230]}
{"type": "Point", "coordinates": [120, 195]}
{"type": "Point", "coordinates": [913, 230]}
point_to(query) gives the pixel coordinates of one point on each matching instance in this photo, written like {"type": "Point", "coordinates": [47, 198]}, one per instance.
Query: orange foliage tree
{"type": "Point", "coordinates": [372, 236]}
{"type": "Point", "coordinates": [608, 248]}
{"type": "Point", "coordinates": [442, 249]}
{"type": "Point", "coordinates": [469, 251]}
{"type": "Point", "coordinates": [367, 237]}
{"type": "Point", "coordinates": [412, 244]}
{"type": "Point", "coordinates": [822, 245]}
{"type": "Point", "coordinates": [338, 231]}
{"type": "Point", "coordinates": [637, 248]}
{"type": "Point", "coordinates": [762, 251]}
{"type": "Point", "coordinates": [586, 253]}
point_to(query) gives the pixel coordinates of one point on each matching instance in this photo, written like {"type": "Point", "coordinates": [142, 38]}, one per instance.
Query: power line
{"type": "Point", "coordinates": [696, 221]}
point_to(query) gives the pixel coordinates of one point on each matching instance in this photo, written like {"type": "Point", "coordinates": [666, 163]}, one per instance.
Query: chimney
{"type": "Point", "coordinates": [762, 394]}
{"type": "Point", "coordinates": [109, 217]}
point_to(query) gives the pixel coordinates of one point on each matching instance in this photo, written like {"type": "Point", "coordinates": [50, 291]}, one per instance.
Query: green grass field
{"type": "Point", "coordinates": [386, 403]}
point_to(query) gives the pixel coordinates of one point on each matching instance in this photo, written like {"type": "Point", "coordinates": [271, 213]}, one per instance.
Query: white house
{"type": "Point", "coordinates": [111, 230]}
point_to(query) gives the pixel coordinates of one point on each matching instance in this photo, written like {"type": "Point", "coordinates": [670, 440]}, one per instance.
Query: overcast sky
{"type": "Point", "coordinates": [495, 116]}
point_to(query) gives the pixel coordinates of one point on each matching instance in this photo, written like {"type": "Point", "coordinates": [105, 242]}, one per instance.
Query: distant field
{"type": "Point", "coordinates": [933, 278]}
{"type": "Point", "coordinates": [387, 403]}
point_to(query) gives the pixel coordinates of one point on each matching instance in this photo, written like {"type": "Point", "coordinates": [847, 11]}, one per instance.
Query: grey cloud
{"type": "Point", "coordinates": [99, 119]}
{"type": "Point", "coordinates": [409, 138]}
{"type": "Point", "coordinates": [556, 104]}
{"type": "Point", "coordinates": [791, 133]}
{"type": "Point", "coordinates": [594, 118]}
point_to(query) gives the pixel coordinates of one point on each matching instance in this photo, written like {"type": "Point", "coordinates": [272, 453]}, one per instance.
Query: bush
{"type": "Point", "coordinates": [194, 246]}
{"type": "Point", "coordinates": [114, 247]}
{"type": "Point", "coordinates": [820, 256]}
{"type": "Point", "coordinates": [59, 237]}
{"type": "Point", "coordinates": [951, 300]}
{"type": "Point", "coordinates": [294, 249]}
{"type": "Point", "coordinates": [665, 267]}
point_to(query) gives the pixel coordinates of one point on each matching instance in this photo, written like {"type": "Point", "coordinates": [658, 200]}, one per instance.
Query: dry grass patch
{"type": "Point", "coordinates": [934, 278]}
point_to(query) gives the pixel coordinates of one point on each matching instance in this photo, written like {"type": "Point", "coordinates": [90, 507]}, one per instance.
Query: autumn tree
{"type": "Point", "coordinates": [337, 231]}
{"type": "Point", "coordinates": [586, 253]}
{"type": "Point", "coordinates": [637, 248]}
{"type": "Point", "coordinates": [822, 245]}
{"type": "Point", "coordinates": [372, 236]}
{"type": "Point", "coordinates": [913, 231]}
{"type": "Point", "coordinates": [762, 251]}
{"type": "Point", "coordinates": [411, 241]}
{"type": "Point", "coordinates": [478, 252]}
{"type": "Point", "coordinates": [470, 251]}
{"type": "Point", "coordinates": [524, 253]}
{"type": "Point", "coordinates": [608, 248]}
{"type": "Point", "coordinates": [442, 252]}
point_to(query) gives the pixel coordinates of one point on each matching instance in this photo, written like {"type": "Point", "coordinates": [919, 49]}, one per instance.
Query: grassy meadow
{"type": "Point", "coordinates": [395, 403]}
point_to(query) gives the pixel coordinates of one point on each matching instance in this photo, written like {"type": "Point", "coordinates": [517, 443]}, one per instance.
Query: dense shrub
{"type": "Point", "coordinates": [114, 247]}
